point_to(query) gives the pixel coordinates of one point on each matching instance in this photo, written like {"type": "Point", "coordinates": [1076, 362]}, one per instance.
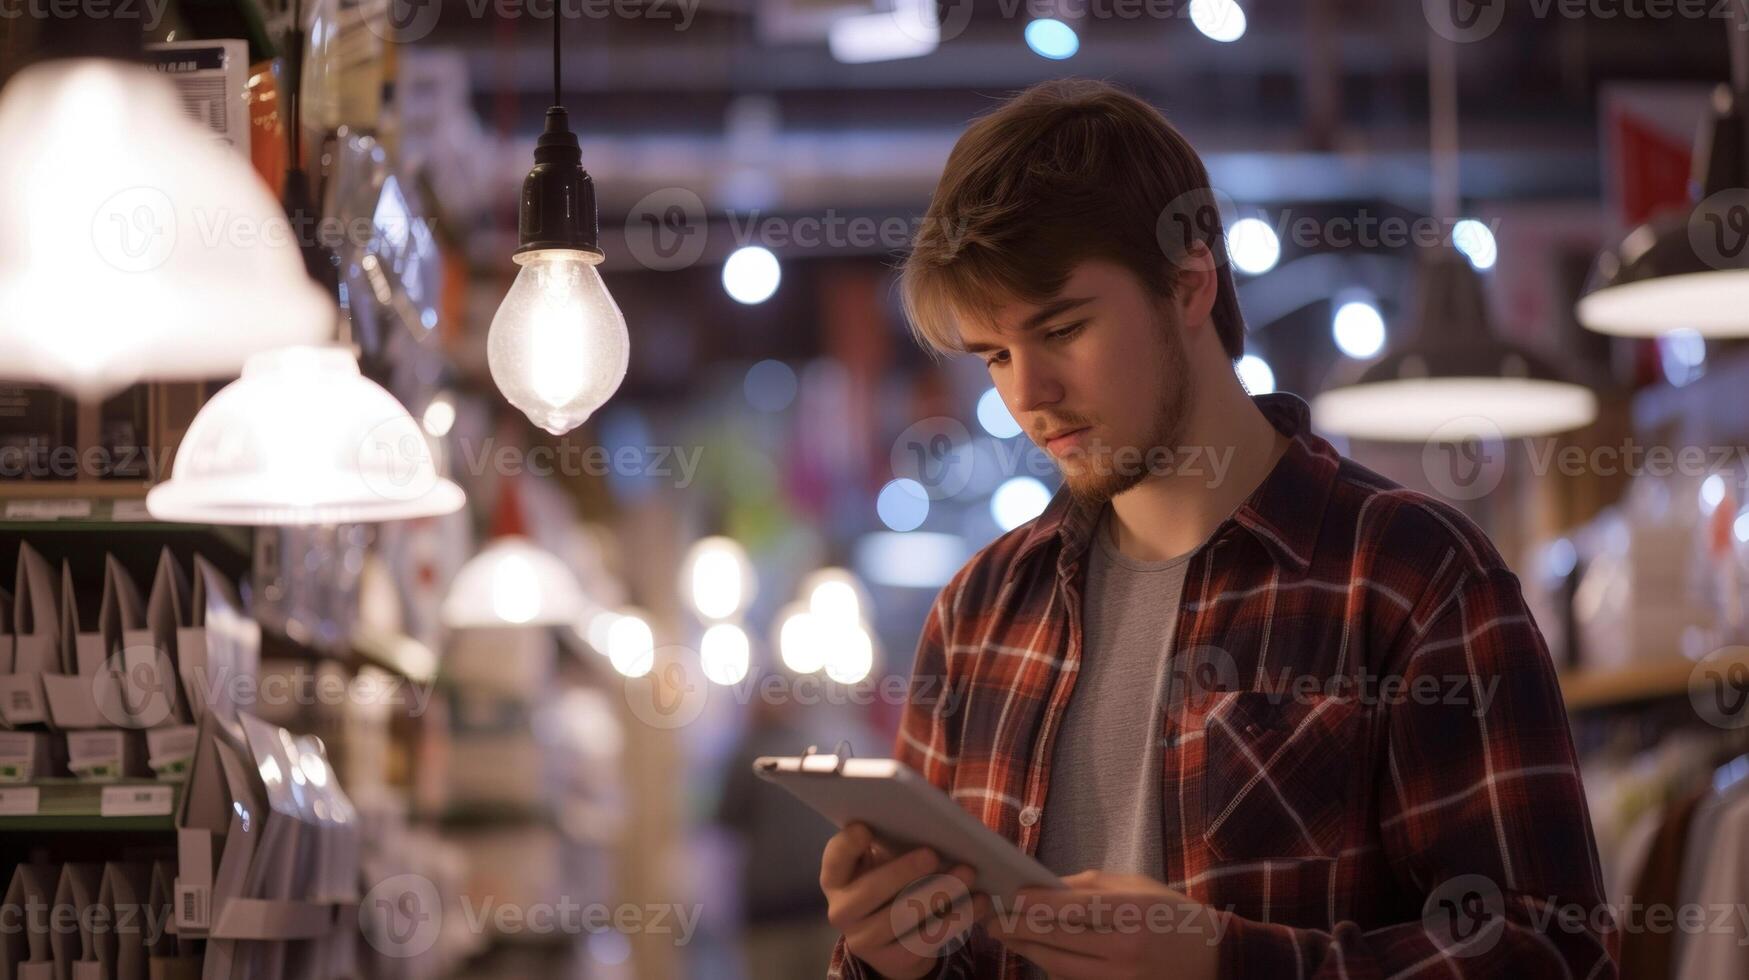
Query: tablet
{"type": "Point", "coordinates": [906, 812]}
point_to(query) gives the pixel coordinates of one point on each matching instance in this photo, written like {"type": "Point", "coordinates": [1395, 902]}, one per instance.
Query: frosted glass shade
{"type": "Point", "coordinates": [132, 245]}
{"type": "Point", "coordinates": [303, 438]}
{"type": "Point", "coordinates": [513, 582]}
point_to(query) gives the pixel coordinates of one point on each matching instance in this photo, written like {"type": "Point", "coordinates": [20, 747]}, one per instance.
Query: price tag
{"type": "Point", "coordinates": [46, 510]}
{"type": "Point", "coordinates": [19, 801]}
{"type": "Point", "coordinates": [130, 510]}
{"type": "Point", "coordinates": [136, 801]}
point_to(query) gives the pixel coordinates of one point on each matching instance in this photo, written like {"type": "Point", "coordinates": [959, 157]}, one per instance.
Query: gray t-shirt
{"type": "Point", "coordinates": [1103, 808]}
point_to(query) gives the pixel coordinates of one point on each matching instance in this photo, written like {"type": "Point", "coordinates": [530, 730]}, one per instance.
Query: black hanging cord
{"type": "Point", "coordinates": [294, 90]}
{"type": "Point", "coordinates": [555, 54]}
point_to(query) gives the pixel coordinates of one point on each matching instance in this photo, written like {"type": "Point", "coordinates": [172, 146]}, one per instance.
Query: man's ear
{"type": "Point", "coordinates": [1197, 284]}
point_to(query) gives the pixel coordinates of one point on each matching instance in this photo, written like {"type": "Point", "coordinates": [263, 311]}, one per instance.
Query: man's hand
{"type": "Point", "coordinates": [1110, 926]}
{"type": "Point", "coordinates": [896, 913]}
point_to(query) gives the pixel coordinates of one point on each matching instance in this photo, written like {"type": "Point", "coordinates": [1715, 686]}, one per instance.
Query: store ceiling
{"type": "Point", "coordinates": [1320, 102]}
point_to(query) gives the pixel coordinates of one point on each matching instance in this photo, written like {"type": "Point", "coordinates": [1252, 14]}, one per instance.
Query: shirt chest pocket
{"type": "Point", "coordinates": [1281, 775]}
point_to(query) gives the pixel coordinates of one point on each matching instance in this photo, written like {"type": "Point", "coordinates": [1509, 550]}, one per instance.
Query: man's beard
{"type": "Point", "coordinates": [1096, 475]}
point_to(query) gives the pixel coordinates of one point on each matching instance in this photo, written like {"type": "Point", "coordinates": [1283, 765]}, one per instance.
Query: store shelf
{"type": "Point", "coordinates": [1662, 678]}
{"type": "Point", "coordinates": [42, 506]}
{"type": "Point", "coordinates": [69, 804]}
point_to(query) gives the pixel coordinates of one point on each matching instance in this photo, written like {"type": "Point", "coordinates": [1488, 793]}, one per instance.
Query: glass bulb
{"type": "Point", "coordinates": [558, 347]}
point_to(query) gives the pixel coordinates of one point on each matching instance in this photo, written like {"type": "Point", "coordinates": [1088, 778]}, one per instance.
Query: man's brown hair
{"type": "Point", "coordinates": [1065, 171]}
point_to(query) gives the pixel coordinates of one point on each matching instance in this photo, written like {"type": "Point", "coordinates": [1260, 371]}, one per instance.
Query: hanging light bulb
{"type": "Point", "coordinates": [122, 253]}
{"type": "Point", "coordinates": [717, 578]}
{"type": "Point", "coordinates": [558, 347]}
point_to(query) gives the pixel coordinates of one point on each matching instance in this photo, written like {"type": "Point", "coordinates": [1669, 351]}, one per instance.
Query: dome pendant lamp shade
{"type": "Point", "coordinates": [303, 438]}
{"type": "Point", "coordinates": [1455, 379]}
{"type": "Point", "coordinates": [513, 581]}
{"type": "Point", "coordinates": [558, 347]}
{"type": "Point", "coordinates": [1688, 268]}
{"type": "Point", "coordinates": [132, 246]}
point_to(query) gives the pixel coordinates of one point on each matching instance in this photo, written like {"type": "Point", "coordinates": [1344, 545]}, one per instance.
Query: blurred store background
{"type": "Point", "coordinates": [548, 697]}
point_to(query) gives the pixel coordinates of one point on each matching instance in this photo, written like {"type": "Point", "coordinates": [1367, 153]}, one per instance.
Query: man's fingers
{"type": "Point", "coordinates": [843, 853]}
{"type": "Point", "coordinates": [1060, 963]}
{"type": "Point", "coordinates": [924, 918]}
{"type": "Point", "coordinates": [876, 887]}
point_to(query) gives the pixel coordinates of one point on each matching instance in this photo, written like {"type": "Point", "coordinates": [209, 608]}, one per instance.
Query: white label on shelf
{"type": "Point", "coordinates": [43, 510]}
{"type": "Point", "coordinates": [136, 801]}
{"type": "Point", "coordinates": [129, 510]}
{"type": "Point", "coordinates": [191, 907]}
{"type": "Point", "coordinates": [19, 801]}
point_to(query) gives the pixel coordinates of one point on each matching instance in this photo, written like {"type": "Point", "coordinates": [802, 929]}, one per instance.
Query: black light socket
{"type": "Point", "coordinates": [558, 195]}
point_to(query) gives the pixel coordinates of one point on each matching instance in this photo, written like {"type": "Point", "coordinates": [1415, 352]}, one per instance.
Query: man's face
{"type": "Point", "coordinates": [1097, 376]}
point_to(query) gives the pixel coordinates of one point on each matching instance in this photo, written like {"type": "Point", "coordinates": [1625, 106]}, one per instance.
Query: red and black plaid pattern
{"type": "Point", "coordinates": [1364, 734]}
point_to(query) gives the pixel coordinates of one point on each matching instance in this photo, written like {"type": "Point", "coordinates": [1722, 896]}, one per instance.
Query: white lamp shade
{"type": "Point", "coordinates": [513, 582]}
{"type": "Point", "coordinates": [303, 438]}
{"type": "Point", "coordinates": [1710, 303]}
{"type": "Point", "coordinates": [1453, 409]}
{"type": "Point", "coordinates": [132, 245]}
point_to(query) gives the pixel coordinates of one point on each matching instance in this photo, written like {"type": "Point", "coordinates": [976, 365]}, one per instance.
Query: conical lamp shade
{"type": "Point", "coordinates": [132, 245]}
{"type": "Point", "coordinates": [303, 438]}
{"type": "Point", "coordinates": [1455, 379]}
{"type": "Point", "coordinates": [1688, 268]}
{"type": "Point", "coordinates": [513, 582]}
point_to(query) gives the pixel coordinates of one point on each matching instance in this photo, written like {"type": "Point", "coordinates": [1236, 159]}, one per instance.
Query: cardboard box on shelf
{"type": "Point", "coordinates": [36, 640]}
{"type": "Point", "coordinates": [26, 952]}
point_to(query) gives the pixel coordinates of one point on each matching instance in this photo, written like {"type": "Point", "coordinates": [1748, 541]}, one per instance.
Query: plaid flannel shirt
{"type": "Point", "coordinates": [1367, 770]}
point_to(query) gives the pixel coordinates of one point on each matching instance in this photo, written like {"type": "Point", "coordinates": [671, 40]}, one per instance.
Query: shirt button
{"type": "Point", "coordinates": [1028, 816]}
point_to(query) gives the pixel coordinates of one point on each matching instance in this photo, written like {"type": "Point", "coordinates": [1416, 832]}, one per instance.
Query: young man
{"type": "Point", "coordinates": [1271, 715]}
